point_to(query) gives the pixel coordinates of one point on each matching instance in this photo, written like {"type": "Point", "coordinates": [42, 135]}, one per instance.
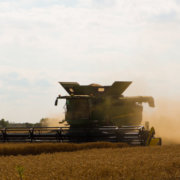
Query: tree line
{"type": "Point", "coordinates": [5, 123]}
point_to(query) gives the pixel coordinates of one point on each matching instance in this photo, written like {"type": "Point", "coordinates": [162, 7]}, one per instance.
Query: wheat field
{"type": "Point", "coordinates": [139, 163]}
{"type": "Point", "coordinates": [39, 148]}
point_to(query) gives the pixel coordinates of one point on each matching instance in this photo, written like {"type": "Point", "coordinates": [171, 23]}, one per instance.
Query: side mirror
{"type": "Point", "coordinates": [151, 102]}
{"type": "Point", "coordinates": [56, 102]}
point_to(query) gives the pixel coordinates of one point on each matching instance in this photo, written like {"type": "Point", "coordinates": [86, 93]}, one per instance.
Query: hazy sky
{"type": "Point", "coordinates": [46, 41]}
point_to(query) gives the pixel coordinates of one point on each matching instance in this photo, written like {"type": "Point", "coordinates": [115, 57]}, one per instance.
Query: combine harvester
{"type": "Point", "coordinates": [93, 113]}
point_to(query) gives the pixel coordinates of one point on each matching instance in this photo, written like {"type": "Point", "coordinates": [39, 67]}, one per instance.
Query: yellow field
{"type": "Point", "coordinates": [110, 163]}
{"type": "Point", "coordinates": [39, 148]}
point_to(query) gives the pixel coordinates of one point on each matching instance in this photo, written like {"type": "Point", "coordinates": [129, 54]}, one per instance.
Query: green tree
{"type": "Point", "coordinates": [3, 123]}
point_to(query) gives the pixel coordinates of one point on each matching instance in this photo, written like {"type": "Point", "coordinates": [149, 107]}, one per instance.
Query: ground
{"type": "Point", "coordinates": [162, 162]}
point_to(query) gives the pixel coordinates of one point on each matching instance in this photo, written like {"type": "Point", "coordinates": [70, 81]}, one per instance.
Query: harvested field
{"type": "Point", "coordinates": [111, 163]}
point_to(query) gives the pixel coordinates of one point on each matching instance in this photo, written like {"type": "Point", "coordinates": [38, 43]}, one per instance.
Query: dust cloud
{"type": "Point", "coordinates": [166, 119]}
{"type": "Point", "coordinates": [56, 121]}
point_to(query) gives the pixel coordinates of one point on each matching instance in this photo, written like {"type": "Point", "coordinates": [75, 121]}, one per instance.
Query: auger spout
{"type": "Point", "coordinates": [139, 99]}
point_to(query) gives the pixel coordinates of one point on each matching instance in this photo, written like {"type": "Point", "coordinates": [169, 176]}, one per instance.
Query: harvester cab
{"type": "Point", "coordinates": [103, 113]}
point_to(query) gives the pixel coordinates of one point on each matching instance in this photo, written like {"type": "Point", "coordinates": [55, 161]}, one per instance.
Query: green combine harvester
{"type": "Point", "coordinates": [94, 113]}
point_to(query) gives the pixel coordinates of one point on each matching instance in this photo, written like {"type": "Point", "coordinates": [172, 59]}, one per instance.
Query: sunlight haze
{"type": "Point", "coordinates": [43, 42]}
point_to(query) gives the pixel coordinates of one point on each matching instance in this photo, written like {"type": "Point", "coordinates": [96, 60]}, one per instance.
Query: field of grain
{"type": "Point", "coordinates": [106, 163]}
{"type": "Point", "coordinates": [39, 148]}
